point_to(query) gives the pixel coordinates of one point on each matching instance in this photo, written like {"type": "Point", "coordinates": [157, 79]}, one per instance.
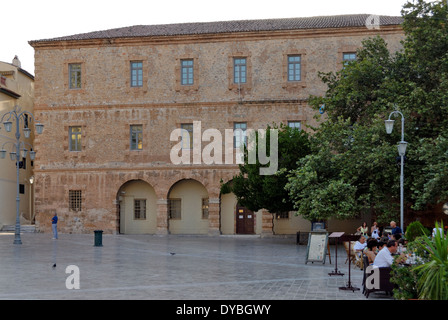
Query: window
{"type": "Point", "coordinates": [75, 138]}
{"type": "Point", "coordinates": [295, 124]}
{"type": "Point", "coordinates": [283, 215]}
{"type": "Point", "coordinates": [186, 70]}
{"type": "Point", "coordinates": [294, 68]}
{"type": "Point", "coordinates": [74, 70]}
{"type": "Point", "coordinates": [139, 209]}
{"type": "Point", "coordinates": [174, 208]}
{"type": "Point", "coordinates": [204, 208]}
{"type": "Point", "coordinates": [75, 200]}
{"type": "Point", "coordinates": [136, 73]}
{"type": "Point", "coordinates": [348, 57]}
{"type": "Point", "coordinates": [239, 70]}
{"type": "Point", "coordinates": [25, 121]}
{"type": "Point", "coordinates": [136, 137]}
{"type": "Point", "coordinates": [239, 134]}
{"type": "Point", "coordinates": [187, 135]}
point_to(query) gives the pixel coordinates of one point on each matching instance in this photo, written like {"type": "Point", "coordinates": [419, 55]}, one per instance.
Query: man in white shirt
{"type": "Point", "coordinates": [384, 257]}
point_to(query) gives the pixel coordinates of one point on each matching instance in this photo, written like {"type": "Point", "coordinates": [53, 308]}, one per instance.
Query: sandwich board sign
{"type": "Point", "coordinates": [317, 246]}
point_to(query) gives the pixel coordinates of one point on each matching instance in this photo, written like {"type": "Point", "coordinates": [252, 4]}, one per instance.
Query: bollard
{"type": "Point", "coordinates": [98, 238]}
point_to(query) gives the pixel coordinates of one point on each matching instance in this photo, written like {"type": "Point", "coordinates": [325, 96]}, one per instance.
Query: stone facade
{"type": "Point", "coordinates": [106, 105]}
{"type": "Point", "coordinates": [16, 89]}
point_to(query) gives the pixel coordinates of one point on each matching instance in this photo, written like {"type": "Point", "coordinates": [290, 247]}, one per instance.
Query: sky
{"type": "Point", "coordinates": [25, 20]}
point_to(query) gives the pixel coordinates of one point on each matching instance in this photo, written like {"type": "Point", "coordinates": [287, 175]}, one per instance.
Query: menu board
{"type": "Point", "coordinates": [317, 247]}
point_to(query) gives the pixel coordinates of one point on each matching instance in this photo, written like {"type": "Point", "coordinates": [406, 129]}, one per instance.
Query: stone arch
{"type": "Point", "coordinates": [185, 201]}
{"type": "Point", "coordinates": [137, 208]}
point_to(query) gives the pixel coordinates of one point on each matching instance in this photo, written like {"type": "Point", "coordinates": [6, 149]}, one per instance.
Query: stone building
{"type": "Point", "coordinates": [16, 89]}
{"type": "Point", "coordinates": [111, 102]}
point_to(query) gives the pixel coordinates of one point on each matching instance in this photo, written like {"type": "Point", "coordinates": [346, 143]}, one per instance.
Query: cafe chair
{"type": "Point", "coordinates": [366, 263]}
{"type": "Point", "coordinates": [358, 262]}
{"type": "Point", "coordinates": [351, 255]}
{"type": "Point", "coordinates": [385, 284]}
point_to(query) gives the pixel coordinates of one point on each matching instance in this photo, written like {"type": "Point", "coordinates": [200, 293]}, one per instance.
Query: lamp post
{"type": "Point", "coordinates": [401, 152]}
{"type": "Point", "coordinates": [19, 150]}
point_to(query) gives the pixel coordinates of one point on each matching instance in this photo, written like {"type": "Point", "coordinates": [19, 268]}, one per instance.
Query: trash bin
{"type": "Point", "coordinates": [98, 238]}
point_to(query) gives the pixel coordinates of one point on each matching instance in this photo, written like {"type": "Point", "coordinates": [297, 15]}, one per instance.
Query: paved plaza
{"type": "Point", "coordinates": [170, 267]}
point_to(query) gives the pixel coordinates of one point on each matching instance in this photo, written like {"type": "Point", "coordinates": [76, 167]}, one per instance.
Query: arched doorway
{"type": "Point", "coordinates": [188, 208]}
{"type": "Point", "coordinates": [137, 208]}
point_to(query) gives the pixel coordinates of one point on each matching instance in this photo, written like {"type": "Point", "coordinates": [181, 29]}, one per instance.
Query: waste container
{"type": "Point", "coordinates": [98, 238]}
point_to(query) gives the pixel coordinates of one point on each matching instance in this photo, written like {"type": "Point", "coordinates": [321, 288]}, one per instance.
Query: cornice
{"type": "Point", "coordinates": [150, 105]}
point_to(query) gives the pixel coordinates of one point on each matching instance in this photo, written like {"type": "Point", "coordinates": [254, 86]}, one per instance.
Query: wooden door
{"type": "Point", "coordinates": [244, 221]}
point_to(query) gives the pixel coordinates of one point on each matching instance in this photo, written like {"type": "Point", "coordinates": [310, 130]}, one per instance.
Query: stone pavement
{"type": "Point", "coordinates": [147, 267]}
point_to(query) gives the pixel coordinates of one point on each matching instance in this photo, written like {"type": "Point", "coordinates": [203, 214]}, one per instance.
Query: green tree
{"type": "Point", "coordinates": [352, 154]}
{"type": "Point", "coordinates": [256, 191]}
{"type": "Point", "coordinates": [350, 170]}
{"type": "Point", "coordinates": [425, 49]}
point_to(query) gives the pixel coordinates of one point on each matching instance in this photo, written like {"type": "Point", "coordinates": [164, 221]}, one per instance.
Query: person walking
{"type": "Point", "coordinates": [54, 226]}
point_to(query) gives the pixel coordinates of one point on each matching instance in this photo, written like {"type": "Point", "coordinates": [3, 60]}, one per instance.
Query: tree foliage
{"type": "Point", "coordinates": [256, 191]}
{"type": "Point", "coordinates": [353, 164]}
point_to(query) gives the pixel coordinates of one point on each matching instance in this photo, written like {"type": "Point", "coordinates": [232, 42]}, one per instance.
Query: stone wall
{"type": "Point", "coordinates": [106, 106]}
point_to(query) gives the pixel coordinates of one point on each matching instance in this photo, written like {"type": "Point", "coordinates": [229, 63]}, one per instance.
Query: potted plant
{"type": "Point", "coordinates": [405, 277]}
{"type": "Point", "coordinates": [433, 281]}
{"type": "Point", "coordinates": [405, 280]}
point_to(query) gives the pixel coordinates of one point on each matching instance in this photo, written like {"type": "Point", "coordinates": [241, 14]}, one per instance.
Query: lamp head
{"type": "Point", "coordinates": [8, 126]}
{"type": "Point", "coordinates": [389, 125]}
{"type": "Point", "coordinates": [402, 148]}
{"type": "Point", "coordinates": [39, 128]}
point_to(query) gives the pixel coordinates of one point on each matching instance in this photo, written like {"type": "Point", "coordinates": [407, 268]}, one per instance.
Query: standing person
{"type": "Point", "coordinates": [395, 229]}
{"type": "Point", "coordinates": [363, 229]}
{"type": "Point", "coordinates": [54, 225]}
{"type": "Point", "coordinates": [375, 231]}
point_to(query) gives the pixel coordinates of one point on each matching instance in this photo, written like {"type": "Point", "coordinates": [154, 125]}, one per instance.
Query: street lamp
{"type": "Point", "coordinates": [17, 115]}
{"type": "Point", "coordinates": [401, 152]}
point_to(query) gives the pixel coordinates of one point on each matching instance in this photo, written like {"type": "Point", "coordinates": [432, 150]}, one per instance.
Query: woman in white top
{"type": "Point", "coordinates": [374, 231]}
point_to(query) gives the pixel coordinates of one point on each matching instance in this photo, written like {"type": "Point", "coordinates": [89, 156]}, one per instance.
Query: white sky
{"type": "Point", "coordinates": [25, 20]}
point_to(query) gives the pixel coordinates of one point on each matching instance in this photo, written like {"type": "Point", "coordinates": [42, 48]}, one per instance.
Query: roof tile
{"type": "Point", "coordinates": [321, 22]}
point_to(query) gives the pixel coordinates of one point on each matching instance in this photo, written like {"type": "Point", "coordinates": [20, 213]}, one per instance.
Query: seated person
{"type": "Point", "coordinates": [370, 252]}
{"type": "Point", "coordinates": [381, 245]}
{"type": "Point", "coordinates": [384, 257]}
{"type": "Point", "coordinates": [385, 237]}
{"type": "Point", "coordinates": [396, 236]}
{"type": "Point", "coordinates": [360, 244]}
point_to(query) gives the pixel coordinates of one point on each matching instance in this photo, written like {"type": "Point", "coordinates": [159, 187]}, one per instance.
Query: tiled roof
{"type": "Point", "coordinates": [322, 22]}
